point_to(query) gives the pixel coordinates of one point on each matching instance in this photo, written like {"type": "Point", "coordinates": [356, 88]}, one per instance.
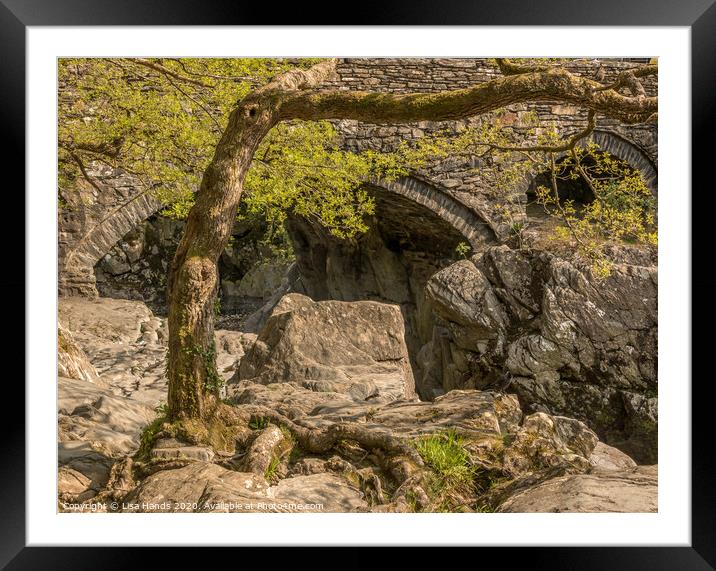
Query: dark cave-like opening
{"type": "Point", "coordinates": [250, 268]}
{"type": "Point", "coordinates": [571, 186]}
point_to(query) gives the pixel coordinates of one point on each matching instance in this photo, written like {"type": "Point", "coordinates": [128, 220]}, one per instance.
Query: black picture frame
{"type": "Point", "coordinates": [699, 15]}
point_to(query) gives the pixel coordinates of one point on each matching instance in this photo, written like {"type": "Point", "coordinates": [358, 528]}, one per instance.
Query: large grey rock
{"type": "Point", "coordinates": [605, 458]}
{"type": "Point", "coordinates": [571, 344]}
{"type": "Point", "coordinates": [627, 491]}
{"type": "Point", "coordinates": [356, 348]}
{"type": "Point", "coordinates": [261, 281]}
{"type": "Point", "coordinates": [463, 295]}
{"type": "Point", "coordinates": [546, 442]}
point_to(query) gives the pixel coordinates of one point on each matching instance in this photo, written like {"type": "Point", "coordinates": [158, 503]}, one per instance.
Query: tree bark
{"type": "Point", "coordinates": [193, 279]}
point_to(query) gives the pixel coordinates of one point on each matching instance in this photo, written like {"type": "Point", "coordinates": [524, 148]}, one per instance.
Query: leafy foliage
{"type": "Point", "coordinates": [462, 250]}
{"type": "Point", "coordinates": [622, 207]}
{"type": "Point", "coordinates": [161, 118]}
{"type": "Point", "coordinates": [150, 432]}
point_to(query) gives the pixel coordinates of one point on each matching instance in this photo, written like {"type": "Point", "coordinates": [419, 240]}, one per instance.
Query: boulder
{"type": "Point", "coordinates": [462, 294]}
{"type": "Point", "coordinates": [203, 487]}
{"type": "Point", "coordinates": [355, 348]}
{"type": "Point", "coordinates": [262, 280]}
{"type": "Point", "coordinates": [605, 458]}
{"type": "Point", "coordinates": [546, 442]}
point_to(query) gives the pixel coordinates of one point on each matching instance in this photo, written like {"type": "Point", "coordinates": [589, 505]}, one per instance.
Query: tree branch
{"type": "Point", "coordinates": [568, 145]}
{"type": "Point", "coordinates": [83, 170]}
{"type": "Point", "coordinates": [555, 84]}
{"type": "Point", "coordinates": [508, 67]}
{"type": "Point", "coordinates": [628, 78]}
{"type": "Point", "coordinates": [166, 71]}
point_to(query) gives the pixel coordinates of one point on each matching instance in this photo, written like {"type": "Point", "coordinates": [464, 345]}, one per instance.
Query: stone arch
{"type": "Point", "coordinates": [414, 223]}
{"type": "Point", "coordinates": [78, 258]}
{"type": "Point", "coordinates": [472, 225]}
{"type": "Point", "coordinates": [627, 151]}
{"type": "Point", "coordinates": [617, 146]}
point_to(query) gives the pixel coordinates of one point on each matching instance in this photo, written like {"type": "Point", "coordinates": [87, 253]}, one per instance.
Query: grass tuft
{"type": "Point", "coordinates": [450, 482]}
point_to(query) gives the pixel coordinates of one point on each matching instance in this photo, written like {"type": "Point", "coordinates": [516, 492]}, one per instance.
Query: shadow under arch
{"type": "Point", "coordinates": [414, 233]}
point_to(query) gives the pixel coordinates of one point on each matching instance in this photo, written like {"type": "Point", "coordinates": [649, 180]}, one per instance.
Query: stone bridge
{"type": "Point", "coordinates": [99, 214]}
{"type": "Point", "coordinates": [94, 220]}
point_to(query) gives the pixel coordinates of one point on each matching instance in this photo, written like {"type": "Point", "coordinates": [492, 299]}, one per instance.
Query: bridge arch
{"type": "Point", "coordinates": [474, 227]}
{"type": "Point", "coordinates": [629, 152]}
{"type": "Point", "coordinates": [107, 227]}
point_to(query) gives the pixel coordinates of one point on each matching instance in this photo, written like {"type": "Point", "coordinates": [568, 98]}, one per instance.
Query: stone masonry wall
{"type": "Point", "coordinates": [459, 177]}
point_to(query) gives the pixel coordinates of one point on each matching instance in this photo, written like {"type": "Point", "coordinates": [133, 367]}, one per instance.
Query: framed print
{"type": "Point", "coordinates": [393, 283]}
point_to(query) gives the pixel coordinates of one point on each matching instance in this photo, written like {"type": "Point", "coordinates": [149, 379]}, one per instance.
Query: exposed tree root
{"type": "Point", "coordinates": [403, 462]}
{"type": "Point", "coordinates": [263, 450]}
{"type": "Point", "coordinates": [121, 481]}
{"type": "Point", "coordinates": [320, 440]}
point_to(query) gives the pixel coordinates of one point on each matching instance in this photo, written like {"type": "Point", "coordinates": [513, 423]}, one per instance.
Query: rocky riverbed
{"type": "Point", "coordinates": [315, 426]}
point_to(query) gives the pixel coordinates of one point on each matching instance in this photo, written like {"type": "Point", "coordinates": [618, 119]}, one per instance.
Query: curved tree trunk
{"type": "Point", "coordinates": [193, 278]}
{"type": "Point", "coordinates": [194, 275]}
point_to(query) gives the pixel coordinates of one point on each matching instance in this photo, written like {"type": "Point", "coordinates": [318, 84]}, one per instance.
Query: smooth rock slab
{"type": "Point", "coordinates": [81, 457]}
{"type": "Point", "coordinates": [203, 487]}
{"type": "Point", "coordinates": [332, 493]}
{"type": "Point", "coordinates": [90, 413]}
{"type": "Point", "coordinates": [107, 319]}
{"type": "Point", "coordinates": [605, 457]}
{"type": "Point", "coordinates": [624, 492]}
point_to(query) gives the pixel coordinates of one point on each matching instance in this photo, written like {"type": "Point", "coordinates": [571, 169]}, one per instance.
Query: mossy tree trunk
{"type": "Point", "coordinates": [193, 280]}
